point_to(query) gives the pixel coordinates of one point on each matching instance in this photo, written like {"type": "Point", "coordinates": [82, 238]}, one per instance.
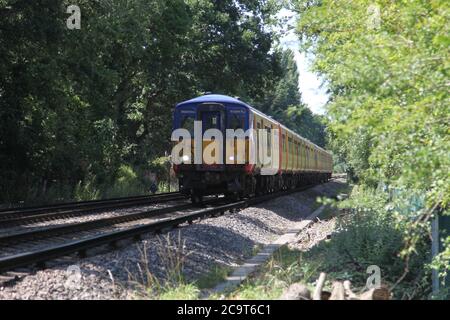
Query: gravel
{"type": "Point", "coordinates": [89, 216]}
{"type": "Point", "coordinates": [225, 240]}
{"type": "Point", "coordinates": [316, 233]}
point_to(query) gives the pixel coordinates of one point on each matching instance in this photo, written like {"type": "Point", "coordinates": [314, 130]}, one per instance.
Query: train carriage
{"type": "Point", "coordinates": [294, 161]}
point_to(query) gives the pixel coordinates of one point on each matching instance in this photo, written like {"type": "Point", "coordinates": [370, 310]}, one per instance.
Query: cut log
{"type": "Point", "coordinates": [325, 295]}
{"type": "Point", "coordinates": [296, 291]}
{"type": "Point", "coordinates": [319, 286]}
{"type": "Point", "coordinates": [348, 291]}
{"type": "Point", "coordinates": [338, 292]}
{"type": "Point", "coordinates": [382, 293]}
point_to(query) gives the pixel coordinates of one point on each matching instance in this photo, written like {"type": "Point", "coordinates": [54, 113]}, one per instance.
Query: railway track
{"type": "Point", "coordinates": [22, 252]}
{"type": "Point", "coordinates": [24, 216]}
{"type": "Point", "coordinates": [9, 240]}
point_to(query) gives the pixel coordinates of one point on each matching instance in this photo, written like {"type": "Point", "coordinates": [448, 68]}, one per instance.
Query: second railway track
{"type": "Point", "coordinates": [29, 248]}
{"type": "Point", "coordinates": [24, 216]}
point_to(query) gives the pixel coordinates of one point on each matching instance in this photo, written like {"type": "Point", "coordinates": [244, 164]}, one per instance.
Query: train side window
{"type": "Point", "coordinates": [235, 121]}
{"type": "Point", "coordinates": [269, 141]}
{"type": "Point", "coordinates": [307, 157]}
{"type": "Point", "coordinates": [290, 145]}
{"type": "Point", "coordinates": [293, 149]}
{"type": "Point", "coordinates": [302, 153]}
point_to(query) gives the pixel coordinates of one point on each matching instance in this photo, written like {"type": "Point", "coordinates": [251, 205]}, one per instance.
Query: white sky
{"type": "Point", "coordinates": [313, 92]}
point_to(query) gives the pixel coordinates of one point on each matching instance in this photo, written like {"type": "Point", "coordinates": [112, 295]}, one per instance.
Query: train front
{"type": "Point", "coordinates": [205, 161]}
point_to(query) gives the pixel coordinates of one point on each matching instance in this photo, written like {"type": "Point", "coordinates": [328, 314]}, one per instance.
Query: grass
{"type": "Point", "coordinates": [284, 268]}
{"type": "Point", "coordinates": [327, 213]}
{"type": "Point", "coordinates": [180, 292]}
{"type": "Point", "coordinates": [126, 182]}
{"type": "Point", "coordinates": [177, 288]}
{"type": "Point", "coordinates": [172, 285]}
{"type": "Point", "coordinates": [215, 276]}
{"type": "Point", "coordinates": [367, 235]}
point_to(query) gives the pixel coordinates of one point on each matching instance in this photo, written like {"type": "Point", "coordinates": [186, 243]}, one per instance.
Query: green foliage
{"type": "Point", "coordinates": [284, 103]}
{"type": "Point", "coordinates": [77, 104]}
{"type": "Point", "coordinates": [181, 292]}
{"type": "Point", "coordinates": [161, 167]}
{"type": "Point", "coordinates": [390, 109]}
{"type": "Point", "coordinates": [367, 234]}
{"type": "Point", "coordinates": [373, 235]}
{"type": "Point", "coordinates": [216, 275]}
{"type": "Point", "coordinates": [127, 183]}
{"type": "Point", "coordinates": [86, 191]}
{"type": "Point", "coordinates": [442, 263]}
{"type": "Point", "coordinates": [284, 268]}
{"type": "Point", "coordinates": [388, 78]}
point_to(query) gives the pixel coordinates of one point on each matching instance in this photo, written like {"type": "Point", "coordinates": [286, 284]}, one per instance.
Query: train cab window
{"type": "Point", "coordinates": [236, 121]}
{"type": "Point", "coordinates": [187, 122]}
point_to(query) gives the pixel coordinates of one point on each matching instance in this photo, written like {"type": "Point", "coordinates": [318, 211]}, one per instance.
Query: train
{"type": "Point", "coordinates": [293, 161]}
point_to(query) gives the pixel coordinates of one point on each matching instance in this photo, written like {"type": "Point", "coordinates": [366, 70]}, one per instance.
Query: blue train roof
{"type": "Point", "coordinates": [219, 98]}
{"type": "Point", "coordinates": [214, 98]}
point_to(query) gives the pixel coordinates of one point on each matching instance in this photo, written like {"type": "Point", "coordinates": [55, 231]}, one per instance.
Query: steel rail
{"type": "Point", "coordinates": [53, 231]}
{"type": "Point", "coordinates": [42, 255]}
{"type": "Point", "coordinates": [24, 218]}
{"type": "Point", "coordinates": [82, 204]}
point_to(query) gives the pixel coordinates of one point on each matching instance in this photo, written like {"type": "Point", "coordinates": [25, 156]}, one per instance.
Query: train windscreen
{"type": "Point", "coordinates": [187, 122]}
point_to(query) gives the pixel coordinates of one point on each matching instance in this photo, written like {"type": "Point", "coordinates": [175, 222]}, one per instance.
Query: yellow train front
{"type": "Point", "coordinates": [267, 158]}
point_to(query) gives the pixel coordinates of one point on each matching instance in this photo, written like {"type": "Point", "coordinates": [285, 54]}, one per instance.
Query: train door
{"type": "Point", "coordinates": [211, 120]}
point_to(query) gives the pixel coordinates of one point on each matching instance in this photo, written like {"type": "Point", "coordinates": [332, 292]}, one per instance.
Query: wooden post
{"type": "Point", "coordinates": [338, 292]}
{"type": "Point", "coordinates": [318, 291]}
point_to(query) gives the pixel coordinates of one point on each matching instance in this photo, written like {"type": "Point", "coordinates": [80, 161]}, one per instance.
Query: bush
{"type": "Point", "coordinates": [127, 183]}
{"type": "Point", "coordinates": [370, 234]}
{"type": "Point", "coordinates": [86, 191]}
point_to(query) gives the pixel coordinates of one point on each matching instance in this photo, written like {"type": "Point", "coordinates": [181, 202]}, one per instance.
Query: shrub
{"type": "Point", "coordinates": [127, 183]}
{"type": "Point", "coordinates": [371, 234]}
{"type": "Point", "coordinates": [86, 191]}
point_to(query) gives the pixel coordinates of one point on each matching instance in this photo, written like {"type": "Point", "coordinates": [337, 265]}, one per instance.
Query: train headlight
{"type": "Point", "coordinates": [231, 158]}
{"type": "Point", "coordinates": [185, 158]}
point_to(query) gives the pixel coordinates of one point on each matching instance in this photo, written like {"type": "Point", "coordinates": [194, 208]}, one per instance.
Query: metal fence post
{"type": "Point", "coordinates": [434, 252]}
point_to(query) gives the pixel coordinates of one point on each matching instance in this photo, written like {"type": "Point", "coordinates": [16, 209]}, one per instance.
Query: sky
{"type": "Point", "coordinates": [313, 93]}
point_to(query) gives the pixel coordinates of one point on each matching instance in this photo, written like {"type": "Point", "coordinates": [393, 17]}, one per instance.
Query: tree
{"type": "Point", "coordinates": [387, 65]}
{"type": "Point", "coordinates": [76, 105]}
{"type": "Point", "coordinates": [284, 103]}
